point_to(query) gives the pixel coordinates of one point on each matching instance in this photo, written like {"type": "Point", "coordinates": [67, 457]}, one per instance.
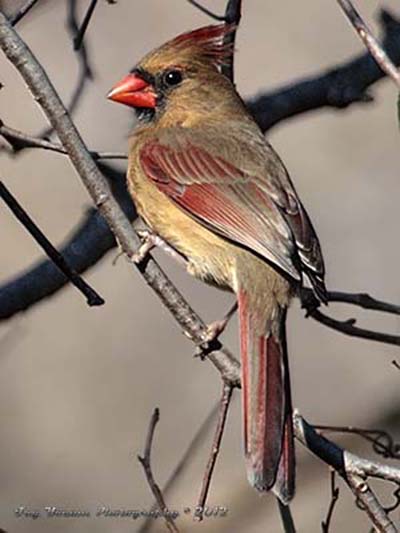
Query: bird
{"type": "Point", "coordinates": [213, 192]}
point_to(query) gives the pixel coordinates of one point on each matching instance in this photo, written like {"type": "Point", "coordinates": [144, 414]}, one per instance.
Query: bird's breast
{"type": "Point", "coordinates": [210, 257]}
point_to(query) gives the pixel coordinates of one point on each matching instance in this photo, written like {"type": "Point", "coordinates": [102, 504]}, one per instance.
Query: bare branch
{"type": "Point", "coordinates": [233, 14]}
{"type": "Point", "coordinates": [22, 12]}
{"type": "Point", "coordinates": [353, 469]}
{"type": "Point", "coordinates": [348, 328]}
{"type": "Point", "coordinates": [92, 298]}
{"type": "Point", "coordinates": [370, 42]}
{"type": "Point", "coordinates": [184, 461]}
{"type": "Point", "coordinates": [363, 300]}
{"type": "Point", "coordinates": [206, 11]}
{"type": "Point", "coordinates": [145, 461]}
{"type": "Point", "coordinates": [19, 141]}
{"type": "Point", "coordinates": [339, 87]}
{"type": "Point", "coordinates": [226, 397]}
{"type": "Point", "coordinates": [78, 39]}
{"type": "Point", "coordinates": [325, 524]}
{"type": "Point", "coordinates": [382, 443]}
{"type": "Point", "coordinates": [286, 517]}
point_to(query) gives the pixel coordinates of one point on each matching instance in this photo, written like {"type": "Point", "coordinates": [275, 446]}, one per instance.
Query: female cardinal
{"type": "Point", "coordinates": [210, 186]}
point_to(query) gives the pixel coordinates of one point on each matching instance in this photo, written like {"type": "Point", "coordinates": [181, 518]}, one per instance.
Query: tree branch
{"type": "Point", "coordinates": [145, 461]}
{"type": "Point", "coordinates": [24, 10]}
{"type": "Point", "coordinates": [183, 462]}
{"type": "Point", "coordinates": [92, 297]}
{"type": "Point", "coordinates": [370, 42]}
{"type": "Point", "coordinates": [339, 87]}
{"type": "Point", "coordinates": [352, 469]}
{"type": "Point", "coordinates": [233, 14]}
{"type": "Point", "coordinates": [19, 141]}
{"type": "Point", "coordinates": [78, 39]}
{"type": "Point", "coordinates": [348, 328]}
{"type": "Point", "coordinates": [226, 397]}
{"type": "Point", "coordinates": [325, 524]}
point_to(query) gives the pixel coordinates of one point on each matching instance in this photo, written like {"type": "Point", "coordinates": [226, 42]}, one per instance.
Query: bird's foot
{"type": "Point", "coordinates": [210, 341]}
{"type": "Point", "coordinates": [149, 241]}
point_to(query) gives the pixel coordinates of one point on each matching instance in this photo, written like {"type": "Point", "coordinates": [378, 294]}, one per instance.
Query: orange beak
{"type": "Point", "coordinates": [134, 92]}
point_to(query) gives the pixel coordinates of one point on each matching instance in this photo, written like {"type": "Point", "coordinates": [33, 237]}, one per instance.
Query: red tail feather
{"type": "Point", "coordinates": [268, 433]}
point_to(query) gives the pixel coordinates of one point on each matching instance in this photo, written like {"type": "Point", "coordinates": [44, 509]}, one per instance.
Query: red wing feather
{"type": "Point", "coordinates": [240, 207]}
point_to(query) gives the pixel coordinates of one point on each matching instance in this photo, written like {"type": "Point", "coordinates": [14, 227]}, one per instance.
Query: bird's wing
{"type": "Point", "coordinates": [261, 213]}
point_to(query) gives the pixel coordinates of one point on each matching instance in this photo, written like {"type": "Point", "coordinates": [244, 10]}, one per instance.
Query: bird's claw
{"type": "Point", "coordinates": [210, 342]}
{"type": "Point", "coordinates": [148, 243]}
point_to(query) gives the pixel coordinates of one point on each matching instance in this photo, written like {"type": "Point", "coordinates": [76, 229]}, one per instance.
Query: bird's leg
{"type": "Point", "coordinates": [213, 331]}
{"type": "Point", "coordinates": [149, 241]}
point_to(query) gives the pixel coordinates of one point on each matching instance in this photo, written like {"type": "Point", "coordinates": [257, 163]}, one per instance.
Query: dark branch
{"type": "Point", "coordinates": [286, 517]}
{"type": "Point", "coordinates": [233, 14]}
{"type": "Point", "coordinates": [188, 455]}
{"type": "Point", "coordinates": [145, 461]}
{"type": "Point", "coordinates": [370, 42]}
{"type": "Point", "coordinates": [206, 11]}
{"type": "Point", "coordinates": [363, 300]}
{"type": "Point", "coordinates": [339, 87]}
{"type": "Point", "coordinates": [90, 241]}
{"type": "Point", "coordinates": [226, 397]}
{"type": "Point", "coordinates": [348, 328]}
{"type": "Point", "coordinates": [325, 524]}
{"type": "Point", "coordinates": [382, 442]}
{"type": "Point", "coordinates": [78, 39]}
{"type": "Point", "coordinates": [91, 295]}
{"type": "Point", "coordinates": [354, 470]}
{"type": "Point", "coordinates": [24, 10]}
{"type": "Point", "coordinates": [19, 141]}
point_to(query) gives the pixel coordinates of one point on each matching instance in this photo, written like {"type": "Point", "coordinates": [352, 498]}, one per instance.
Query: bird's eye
{"type": "Point", "coordinates": [172, 77]}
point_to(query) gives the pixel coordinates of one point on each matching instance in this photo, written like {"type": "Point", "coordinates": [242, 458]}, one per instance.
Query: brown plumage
{"type": "Point", "coordinates": [206, 181]}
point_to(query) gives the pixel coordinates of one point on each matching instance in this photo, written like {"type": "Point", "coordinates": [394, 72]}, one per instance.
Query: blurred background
{"type": "Point", "coordinates": [78, 384]}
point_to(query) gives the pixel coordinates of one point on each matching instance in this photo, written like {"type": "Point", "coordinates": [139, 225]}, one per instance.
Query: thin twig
{"type": "Point", "coordinates": [19, 141]}
{"type": "Point", "coordinates": [370, 42]}
{"type": "Point", "coordinates": [325, 524]}
{"type": "Point", "coordinates": [145, 461]}
{"type": "Point", "coordinates": [286, 517]}
{"type": "Point", "coordinates": [337, 88]}
{"type": "Point", "coordinates": [363, 300]}
{"type": "Point", "coordinates": [348, 328]}
{"type": "Point", "coordinates": [226, 397]}
{"type": "Point", "coordinates": [92, 298]}
{"type": "Point", "coordinates": [78, 39]}
{"type": "Point", "coordinates": [188, 455]}
{"type": "Point", "coordinates": [24, 10]}
{"type": "Point", "coordinates": [206, 11]}
{"type": "Point", "coordinates": [233, 14]}
{"type": "Point", "coordinates": [91, 239]}
{"type": "Point", "coordinates": [382, 443]}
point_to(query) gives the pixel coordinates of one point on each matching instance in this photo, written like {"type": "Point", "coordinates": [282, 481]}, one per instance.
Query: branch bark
{"type": "Point", "coordinates": [92, 297]}
{"type": "Point", "coordinates": [370, 42]}
{"type": "Point", "coordinates": [145, 461]}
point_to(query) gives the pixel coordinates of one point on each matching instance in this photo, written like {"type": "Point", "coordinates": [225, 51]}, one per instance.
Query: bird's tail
{"type": "Point", "coordinates": [267, 407]}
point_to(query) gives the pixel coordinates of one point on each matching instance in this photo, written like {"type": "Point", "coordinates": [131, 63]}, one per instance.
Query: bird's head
{"type": "Point", "coordinates": [181, 75]}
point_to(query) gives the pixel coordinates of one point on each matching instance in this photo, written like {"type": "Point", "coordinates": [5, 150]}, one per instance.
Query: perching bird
{"type": "Point", "coordinates": [209, 185]}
